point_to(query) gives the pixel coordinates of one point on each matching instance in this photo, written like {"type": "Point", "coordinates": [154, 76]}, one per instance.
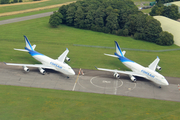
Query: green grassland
{"type": "Point", "coordinates": [21, 103]}
{"type": "Point", "coordinates": [53, 41]}
{"type": "Point", "coordinates": [4, 9]}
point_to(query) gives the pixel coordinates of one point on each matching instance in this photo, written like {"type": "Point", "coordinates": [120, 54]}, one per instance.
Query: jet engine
{"type": "Point", "coordinates": [68, 59]}
{"type": "Point", "coordinates": [42, 71]}
{"type": "Point", "coordinates": [159, 68]}
{"type": "Point", "coordinates": [116, 75]}
{"type": "Point", "coordinates": [132, 78]}
{"type": "Point", "coordinates": [26, 69]}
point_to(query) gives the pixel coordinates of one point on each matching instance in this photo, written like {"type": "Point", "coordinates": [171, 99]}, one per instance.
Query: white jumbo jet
{"type": "Point", "coordinates": [137, 70]}
{"type": "Point", "coordinates": [47, 62]}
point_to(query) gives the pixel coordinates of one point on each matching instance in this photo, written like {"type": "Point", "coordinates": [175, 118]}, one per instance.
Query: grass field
{"type": "Point", "coordinates": [53, 41]}
{"type": "Point", "coordinates": [21, 103]}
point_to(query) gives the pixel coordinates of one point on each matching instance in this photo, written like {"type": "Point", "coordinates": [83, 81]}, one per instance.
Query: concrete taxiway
{"type": "Point", "coordinates": [92, 81]}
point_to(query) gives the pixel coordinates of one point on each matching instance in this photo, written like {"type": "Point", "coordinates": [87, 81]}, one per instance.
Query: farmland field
{"type": "Point", "coordinates": [4, 9]}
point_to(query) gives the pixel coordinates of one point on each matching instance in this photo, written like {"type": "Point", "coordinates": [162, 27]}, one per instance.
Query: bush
{"type": "Point", "coordinates": [114, 32]}
{"type": "Point", "coordinates": [106, 30]}
{"type": "Point", "coordinates": [125, 32]}
{"type": "Point", "coordinates": [165, 38]}
{"type": "Point", "coordinates": [120, 32]}
{"type": "Point", "coordinates": [55, 19]}
{"type": "Point", "coordinates": [15, 1]}
{"type": "Point", "coordinates": [139, 36]}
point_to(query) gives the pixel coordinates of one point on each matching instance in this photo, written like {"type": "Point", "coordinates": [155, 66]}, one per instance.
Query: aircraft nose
{"type": "Point", "coordinates": [72, 72]}
{"type": "Point", "coordinates": [166, 82]}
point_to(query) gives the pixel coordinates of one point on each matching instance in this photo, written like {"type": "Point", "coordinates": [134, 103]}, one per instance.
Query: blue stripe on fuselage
{"type": "Point", "coordinates": [32, 52]}
{"type": "Point", "coordinates": [123, 59]}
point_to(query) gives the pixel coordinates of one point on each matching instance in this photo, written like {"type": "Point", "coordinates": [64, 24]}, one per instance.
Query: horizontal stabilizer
{"type": "Point", "coordinates": [21, 50]}
{"type": "Point", "coordinates": [34, 46]}
{"type": "Point", "coordinates": [111, 55]}
{"type": "Point", "coordinates": [123, 52]}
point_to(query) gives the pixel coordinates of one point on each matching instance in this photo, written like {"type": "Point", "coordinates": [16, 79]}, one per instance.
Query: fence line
{"type": "Point", "coordinates": [128, 48]}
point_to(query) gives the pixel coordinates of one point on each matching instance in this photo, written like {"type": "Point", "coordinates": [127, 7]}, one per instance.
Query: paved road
{"type": "Point", "coordinates": [93, 81]}
{"type": "Point", "coordinates": [25, 18]}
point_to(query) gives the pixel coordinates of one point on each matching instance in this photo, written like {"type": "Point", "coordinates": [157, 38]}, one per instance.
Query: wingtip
{"type": "Point", "coordinates": [5, 63]}
{"type": "Point", "coordinates": [95, 67]}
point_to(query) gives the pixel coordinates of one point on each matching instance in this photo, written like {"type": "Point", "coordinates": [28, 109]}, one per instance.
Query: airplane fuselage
{"type": "Point", "coordinates": [144, 71]}
{"type": "Point", "coordinates": [137, 69]}
{"type": "Point", "coordinates": [57, 65]}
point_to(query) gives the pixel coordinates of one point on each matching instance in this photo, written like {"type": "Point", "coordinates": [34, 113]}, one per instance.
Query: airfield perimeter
{"type": "Point", "coordinates": [92, 81]}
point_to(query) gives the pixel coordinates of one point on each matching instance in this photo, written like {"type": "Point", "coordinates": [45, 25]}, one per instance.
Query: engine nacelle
{"type": "Point", "coordinates": [159, 68]}
{"type": "Point", "coordinates": [26, 69]}
{"type": "Point", "coordinates": [116, 75]}
{"type": "Point", "coordinates": [42, 71]}
{"type": "Point", "coordinates": [68, 59]}
{"type": "Point", "coordinates": [133, 78]}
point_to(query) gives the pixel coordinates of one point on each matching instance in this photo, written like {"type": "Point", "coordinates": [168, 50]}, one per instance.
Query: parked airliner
{"type": "Point", "coordinates": [47, 62]}
{"type": "Point", "coordinates": [137, 69]}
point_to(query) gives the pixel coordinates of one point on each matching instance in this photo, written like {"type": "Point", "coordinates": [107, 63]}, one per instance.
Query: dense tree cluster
{"type": "Point", "coordinates": [120, 17]}
{"type": "Point", "coordinates": [4, 1]}
{"type": "Point", "coordinates": [167, 11]}
{"type": "Point", "coordinates": [55, 19]}
{"type": "Point", "coordinates": [165, 38]}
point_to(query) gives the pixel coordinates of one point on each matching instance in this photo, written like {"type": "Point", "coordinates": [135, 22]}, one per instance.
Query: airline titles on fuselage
{"type": "Point", "coordinates": [56, 65]}
{"type": "Point", "coordinates": [147, 73]}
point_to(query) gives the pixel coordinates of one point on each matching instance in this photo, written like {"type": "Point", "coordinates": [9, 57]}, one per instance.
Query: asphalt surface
{"type": "Point", "coordinates": [19, 19]}
{"type": "Point", "coordinates": [92, 81]}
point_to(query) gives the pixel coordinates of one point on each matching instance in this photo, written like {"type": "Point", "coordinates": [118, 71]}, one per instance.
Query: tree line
{"type": "Point", "coordinates": [167, 11]}
{"type": "Point", "coordinates": [10, 1]}
{"type": "Point", "coordinates": [119, 17]}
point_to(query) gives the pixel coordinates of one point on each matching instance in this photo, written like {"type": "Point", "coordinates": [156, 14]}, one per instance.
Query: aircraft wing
{"type": "Point", "coordinates": [154, 64]}
{"type": "Point", "coordinates": [31, 65]}
{"type": "Point", "coordinates": [122, 72]}
{"type": "Point", "coordinates": [62, 57]}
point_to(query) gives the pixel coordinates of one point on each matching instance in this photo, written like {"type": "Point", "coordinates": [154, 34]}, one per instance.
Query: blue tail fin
{"type": "Point", "coordinates": [118, 50]}
{"type": "Point", "coordinates": [28, 44]}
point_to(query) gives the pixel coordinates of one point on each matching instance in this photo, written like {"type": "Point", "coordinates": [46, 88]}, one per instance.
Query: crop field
{"type": "Point", "coordinates": [4, 9]}
{"type": "Point", "coordinates": [27, 14]}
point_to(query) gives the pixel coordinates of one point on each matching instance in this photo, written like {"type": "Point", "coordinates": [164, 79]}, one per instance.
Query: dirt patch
{"type": "Point", "coordinates": [34, 9]}
{"type": "Point", "coordinates": [22, 3]}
